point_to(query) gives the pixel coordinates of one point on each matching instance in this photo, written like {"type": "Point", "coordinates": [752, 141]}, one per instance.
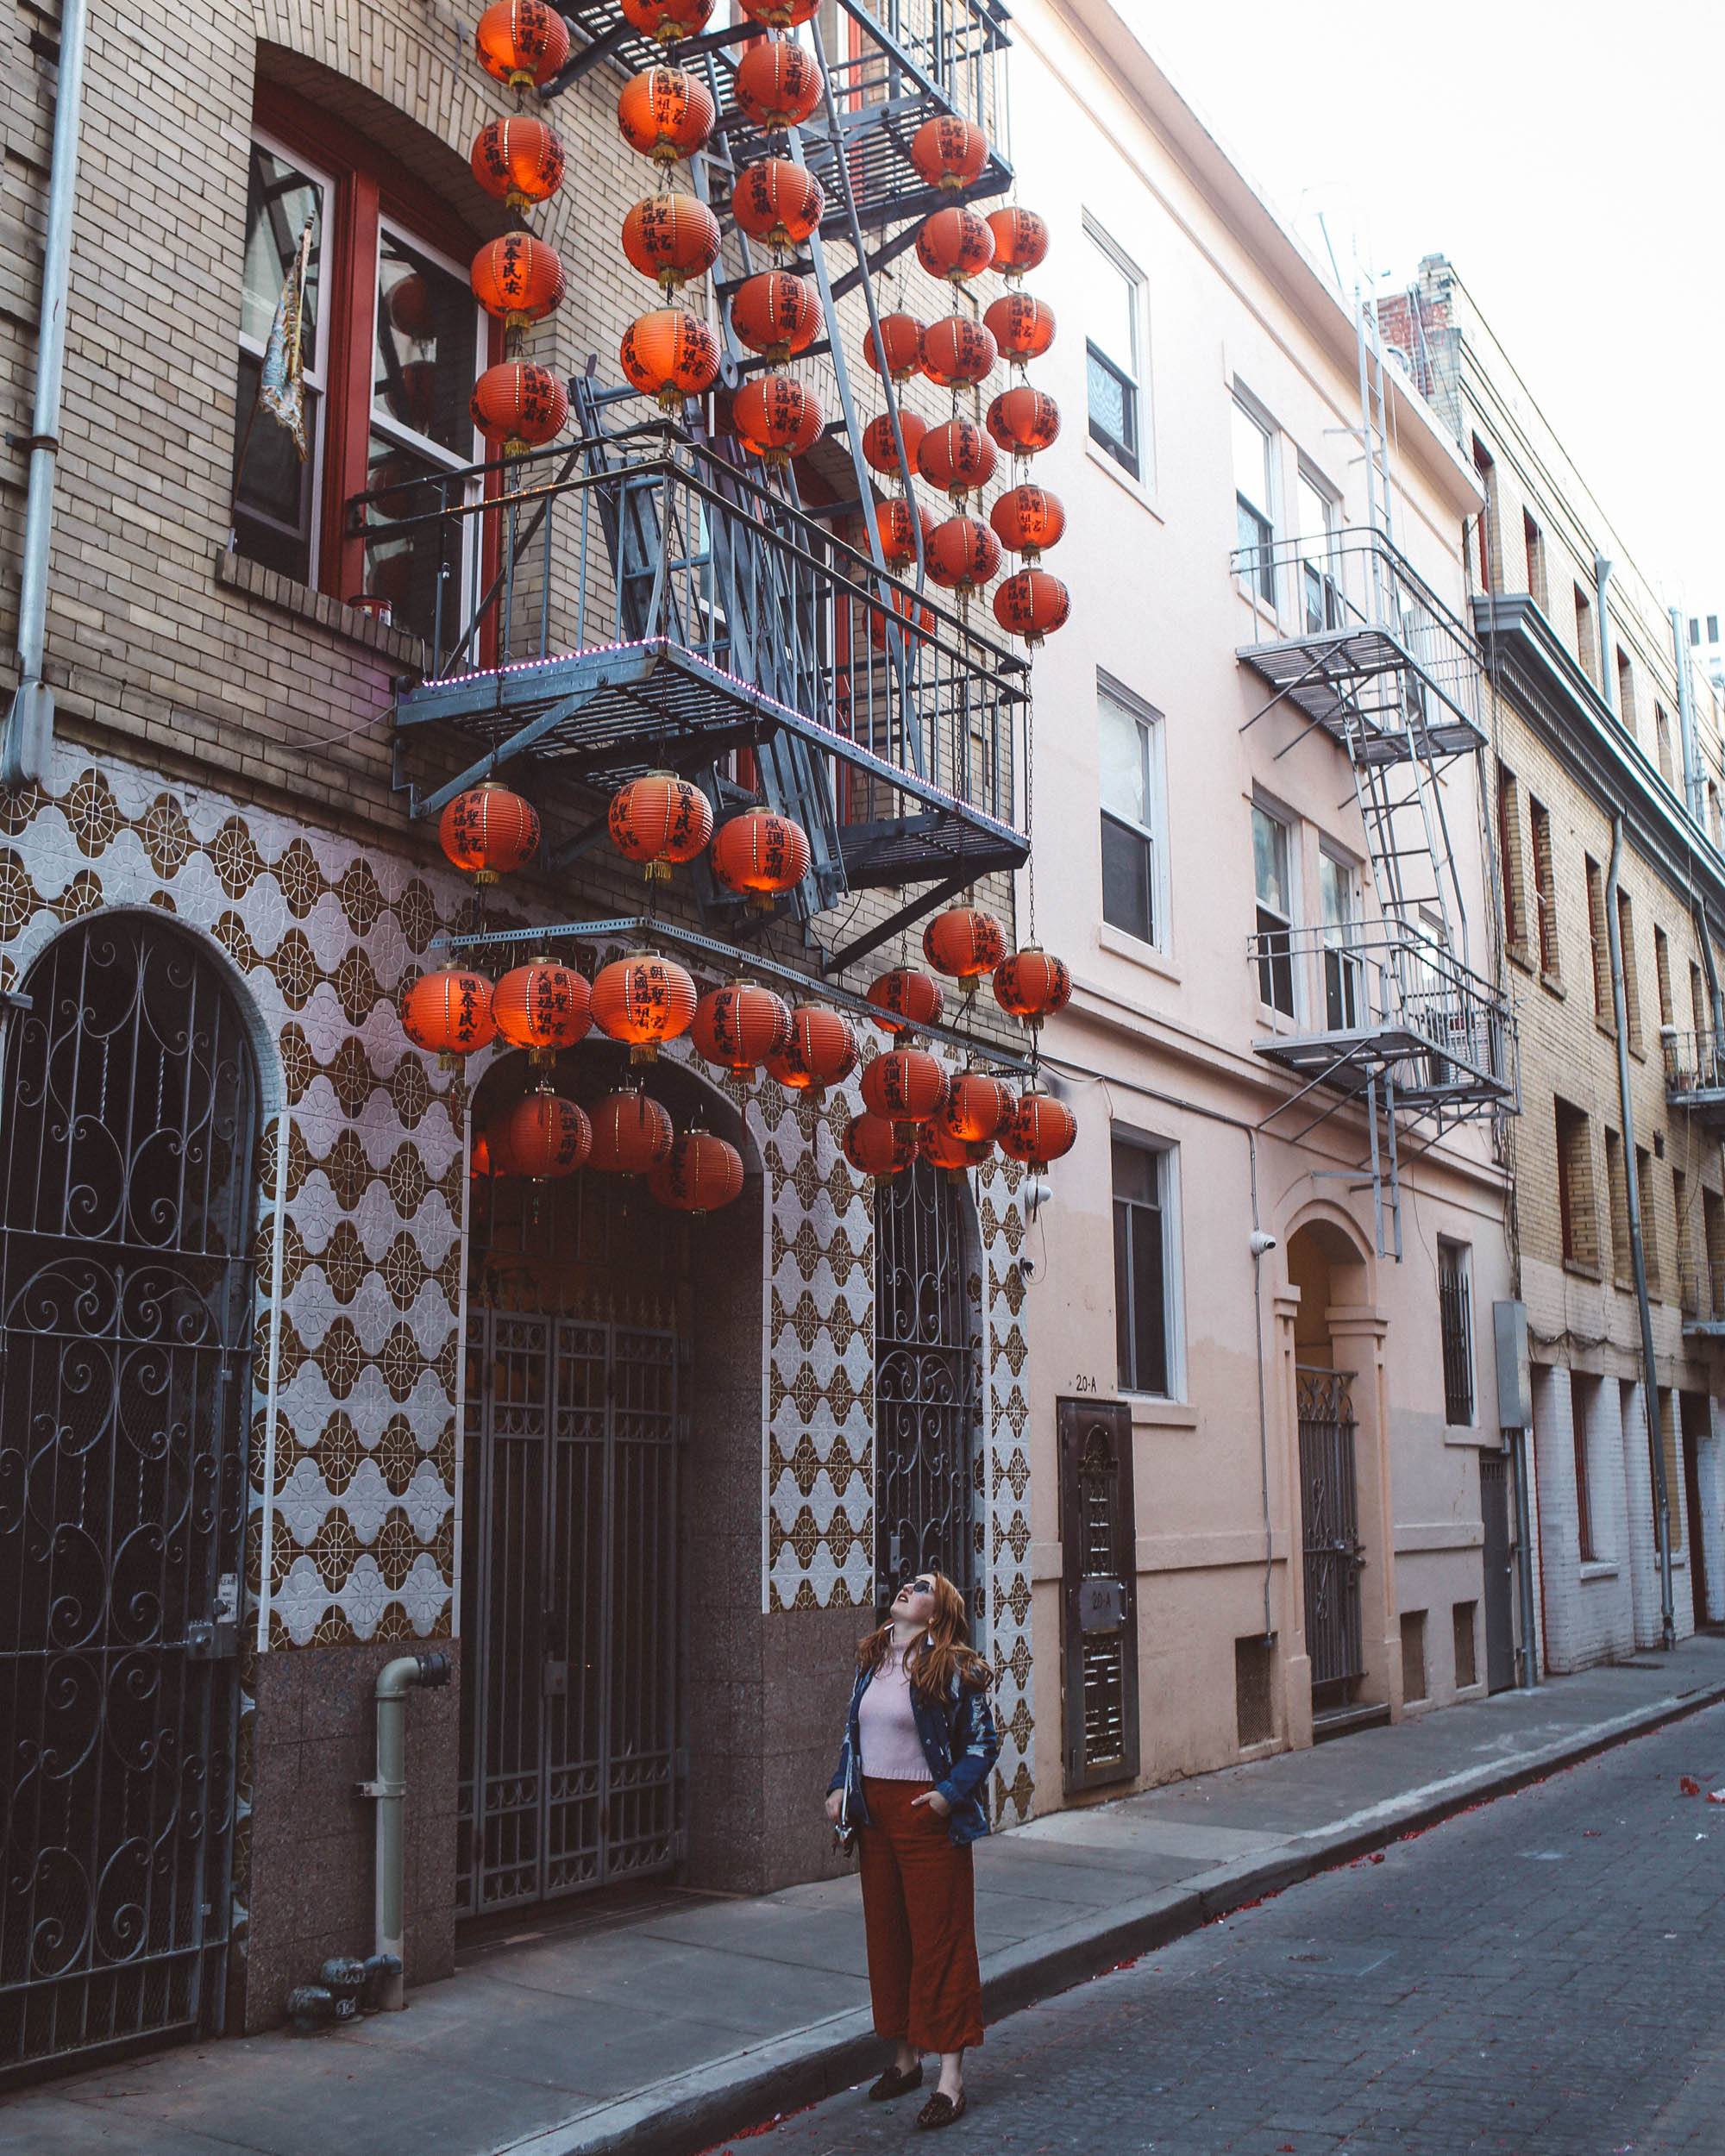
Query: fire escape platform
{"type": "Point", "coordinates": [603, 717]}
{"type": "Point", "coordinates": [1703, 1105]}
{"type": "Point", "coordinates": [1330, 674]}
{"type": "Point", "coordinates": [1426, 1075]}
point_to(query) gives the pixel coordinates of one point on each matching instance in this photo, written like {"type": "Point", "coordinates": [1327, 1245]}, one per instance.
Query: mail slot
{"type": "Point", "coordinates": [1101, 1605]}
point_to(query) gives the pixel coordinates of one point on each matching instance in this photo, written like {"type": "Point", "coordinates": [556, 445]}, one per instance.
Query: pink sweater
{"type": "Point", "coordinates": [892, 1750]}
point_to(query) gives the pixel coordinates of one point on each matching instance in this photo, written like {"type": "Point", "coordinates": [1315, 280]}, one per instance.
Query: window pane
{"type": "Point", "coordinates": [1335, 888]}
{"type": "Point", "coordinates": [1270, 863]}
{"type": "Point", "coordinates": [1123, 1324]}
{"type": "Point", "coordinates": [426, 349]}
{"type": "Point", "coordinates": [1112, 316]}
{"type": "Point", "coordinates": [1128, 894]}
{"type": "Point", "coordinates": [1149, 1314]}
{"type": "Point", "coordinates": [280, 200]}
{"type": "Point", "coordinates": [406, 568]}
{"type": "Point", "coordinates": [1124, 758]}
{"type": "Point", "coordinates": [271, 488]}
{"type": "Point", "coordinates": [1251, 461]}
{"type": "Point", "coordinates": [1314, 513]}
{"type": "Point", "coordinates": [1135, 1172]}
{"type": "Point", "coordinates": [1114, 411]}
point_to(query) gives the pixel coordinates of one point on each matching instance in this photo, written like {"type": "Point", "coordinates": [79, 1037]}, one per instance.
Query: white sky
{"type": "Point", "coordinates": [1569, 161]}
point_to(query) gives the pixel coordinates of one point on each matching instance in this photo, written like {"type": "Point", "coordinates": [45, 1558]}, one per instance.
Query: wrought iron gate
{"type": "Point", "coordinates": [927, 1389]}
{"type": "Point", "coordinates": [1099, 1618]}
{"type": "Point", "coordinates": [130, 1131]}
{"type": "Point", "coordinates": [1330, 1509]}
{"type": "Point", "coordinates": [570, 1771]}
{"type": "Point", "coordinates": [1500, 1572]}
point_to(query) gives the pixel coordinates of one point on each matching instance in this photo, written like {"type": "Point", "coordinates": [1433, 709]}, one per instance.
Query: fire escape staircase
{"type": "Point", "coordinates": [713, 613]}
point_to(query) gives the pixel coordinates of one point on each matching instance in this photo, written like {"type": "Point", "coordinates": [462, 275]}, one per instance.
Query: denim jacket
{"type": "Point", "coordinates": [959, 1742]}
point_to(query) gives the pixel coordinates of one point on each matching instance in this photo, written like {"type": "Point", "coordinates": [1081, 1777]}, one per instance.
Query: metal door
{"type": "Point", "coordinates": [1330, 1511]}
{"type": "Point", "coordinates": [570, 1770]}
{"type": "Point", "coordinates": [1099, 1552]}
{"type": "Point", "coordinates": [1500, 1572]}
{"type": "Point", "coordinates": [126, 1172]}
{"type": "Point", "coordinates": [927, 1388]}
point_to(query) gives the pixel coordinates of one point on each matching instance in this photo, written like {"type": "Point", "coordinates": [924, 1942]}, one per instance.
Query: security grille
{"type": "Point", "coordinates": [927, 1389]}
{"type": "Point", "coordinates": [1455, 1310]}
{"type": "Point", "coordinates": [1330, 1511]}
{"type": "Point", "coordinates": [126, 1284]}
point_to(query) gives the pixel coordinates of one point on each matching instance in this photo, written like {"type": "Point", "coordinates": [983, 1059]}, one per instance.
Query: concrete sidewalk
{"type": "Point", "coordinates": [667, 2026]}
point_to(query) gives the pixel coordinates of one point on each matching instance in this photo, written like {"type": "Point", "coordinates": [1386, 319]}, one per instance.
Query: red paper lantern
{"type": "Point", "coordinates": [698, 1174]}
{"type": "Point", "coordinates": [1033, 604]}
{"type": "Point", "coordinates": [956, 456]}
{"type": "Point", "coordinates": [776, 313]}
{"type": "Point", "coordinates": [942, 1149]}
{"type": "Point", "coordinates": [659, 819]}
{"type": "Point", "coordinates": [671, 238]}
{"type": "Point", "coordinates": [777, 417]}
{"type": "Point", "coordinates": [631, 1134]}
{"type": "Point", "coordinates": [517, 279]}
{"type": "Point", "coordinates": [1020, 240]}
{"type": "Point", "coordinates": [1031, 985]}
{"type": "Point", "coordinates": [950, 153]}
{"type": "Point", "coordinates": [820, 1050]}
{"type": "Point", "coordinates": [778, 84]}
{"type": "Point", "coordinates": [544, 1136]}
{"type": "Point", "coordinates": [410, 307]}
{"type": "Point", "coordinates": [741, 1025]}
{"type": "Point", "coordinates": [669, 354]}
{"type": "Point", "coordinates": [905, 999]}
{"type": "Point", "coordinates": [777, 200]}
{"type": "Point", "coordinates": [666, 19]}
{"type": "Point", "coordinates": [1039, 1129]}
{"type": "Point", "coordinates": [520, 404]}
{"type": "Point", "coordinates": [1027, 519]}
{"type": "Point", "coordinates": [1024, 421]}
{"type": "Point", "coordinates": [976, 1106]}
{"type": "Point", "coordinates": [880, 450]}
{"type": "Point", "coordinates": [958, 351]}
{"type": "Point", "coordinates": [956, 244]}
{"type": "Point", "coordinates": [541, 1007]}
{"type": "Point", "coordinates": [962, 555]}
{"type": "Point", "coordinates": [905, 1085]}
{"type": "Point", "coordinates": [780, 14]}
{"type": "Point", "coordinates": [900, 342]}
{"type": "Point", "coordinates": [665, 113]}
{"type": "Point", "coordinates": [895, 523]}
{"type": "Point", "coordinates": [522, 43]}
{"type": "Point", "coordinates": [965, 943]}
{"type": "Point", "coordinates": [760, 855]}
{"type": "Point", "coordinates": [448, 1013]}
{"type": "Point", "coordinates": [1023, 326]}
{"type": "Point", "coordinates": [874, 1147]}
{"type": "Point", "coordinates": [518, 159]}
{"type": "Point", "coordinates": [489, 831]}
{"type": "Point", "coordinates": [643, 1000]}
{"type": "Point", "coordinates": [915, 620]}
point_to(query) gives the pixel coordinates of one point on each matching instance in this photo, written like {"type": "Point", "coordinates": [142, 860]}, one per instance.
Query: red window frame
{"type": "Point", "coordinates": [370, 187]}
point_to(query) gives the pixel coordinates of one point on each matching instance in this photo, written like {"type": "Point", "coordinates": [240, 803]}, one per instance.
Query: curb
{"type": "Point", "coordinates": [694, 2114]}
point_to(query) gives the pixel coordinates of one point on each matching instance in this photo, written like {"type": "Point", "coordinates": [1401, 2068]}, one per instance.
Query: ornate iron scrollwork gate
{"type": "Point", "coordinates": [1330, 1511]}
{"type": "Point", "coordinates": [927, 1388]}
{"type": "Point", "coordinates": [570, 1772]}
{"type": "Point", "coordinates": [127, 1172]}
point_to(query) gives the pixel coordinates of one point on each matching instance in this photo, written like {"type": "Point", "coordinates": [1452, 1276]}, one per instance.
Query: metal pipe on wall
{"type": "Point", "coordinates": [406, 1673]}
{"type": "Point", "coordinates": [27, 742]}
{"type": "Point", "coordinates": [1632, 1183]}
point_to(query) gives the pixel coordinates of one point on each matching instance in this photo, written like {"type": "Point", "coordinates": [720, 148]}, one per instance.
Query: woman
{"type": "Point", "coordinates": [919, 1743]}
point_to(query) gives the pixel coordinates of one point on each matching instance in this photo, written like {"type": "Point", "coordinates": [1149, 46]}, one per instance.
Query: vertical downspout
{"type": "Point", "coordinates": [1522, 1447]}
{"type": "Point", "coordinates": [28, 743]}
{"type": "Point", "coordinates": [1692, 784]}
{"type": "Point", "coordinates": [1608, 672]}
{"type": "Point", "coordinates": [1632, 1182]}
{"type": "Point", "coordinates": [1258, 1257]}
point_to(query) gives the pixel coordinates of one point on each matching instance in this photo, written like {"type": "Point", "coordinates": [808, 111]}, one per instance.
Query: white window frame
{"type": "Point", "coordinates": [1165, 1153]}
{"type": "Point", "coordinates": [1289, 825]}
{"type": "Point", "coordinates": [1260, 588]}
{"type": "Point", "coordinates": [1155, 832]}
{"type": "Point", "coordinates": [1344, 970]}
{"type": "Point", "coordinates": [1320, 564]}
{"type": "Point", "coordinates": [315, 362]}
{"type": "Point", "coordinates": [1136, 473]}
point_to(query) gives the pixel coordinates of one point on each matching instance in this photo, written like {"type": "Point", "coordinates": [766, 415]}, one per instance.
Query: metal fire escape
{"type": "Point", "coordinates": [649, 598]}
{"type": "Point", "coordinates": [1387, 1012]}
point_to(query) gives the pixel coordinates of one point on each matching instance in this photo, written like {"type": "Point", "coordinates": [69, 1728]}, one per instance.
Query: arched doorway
{"type": "Point", "coordinates": [1329, 1270]}
{"type": "Point", "coordinates": [581, 1302]}
{"type": "Point", "coordinates": [928, 1392]}
{"type": "Point", "coordinates": [127, 1182]}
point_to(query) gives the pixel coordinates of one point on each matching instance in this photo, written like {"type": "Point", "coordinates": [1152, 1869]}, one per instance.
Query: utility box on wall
{"type": "Point", "coordinates": [1515, 1376]}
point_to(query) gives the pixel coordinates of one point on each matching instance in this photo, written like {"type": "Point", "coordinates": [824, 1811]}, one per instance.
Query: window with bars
{"type": "Point", "coordinates": [1455, 1312]}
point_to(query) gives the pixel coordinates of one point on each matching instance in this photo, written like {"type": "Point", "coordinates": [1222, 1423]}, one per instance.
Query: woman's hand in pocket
{"type": "Point", "coordinates": [937, 1804]}
{"type": "Point", "coordinates": [835, 1806]}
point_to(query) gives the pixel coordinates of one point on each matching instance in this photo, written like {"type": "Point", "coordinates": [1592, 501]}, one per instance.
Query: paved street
{"type": "Point", "coordinates": [1539, 1976]}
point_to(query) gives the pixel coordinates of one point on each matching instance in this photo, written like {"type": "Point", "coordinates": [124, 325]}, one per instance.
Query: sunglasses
{"type": "Point", "coordinates": [918, 1587]}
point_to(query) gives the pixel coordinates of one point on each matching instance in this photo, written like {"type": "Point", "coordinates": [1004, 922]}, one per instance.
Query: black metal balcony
{"type": "Point", "coordinates": [1390, 1005]}
{"type": "Point", "coordinates": [1695, 1076]}
{"type": "Point", "coordinates": [1363, 647]}
{"type": "Point", "coordinates": [634, 602]}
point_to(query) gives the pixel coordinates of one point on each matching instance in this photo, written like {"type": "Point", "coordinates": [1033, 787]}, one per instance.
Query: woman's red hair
{"type": "Point", "coordinates": [942, 1658]}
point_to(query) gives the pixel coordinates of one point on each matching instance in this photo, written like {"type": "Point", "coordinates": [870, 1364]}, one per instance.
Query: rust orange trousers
{"type": "Point", "coordinates": [919, 1907]}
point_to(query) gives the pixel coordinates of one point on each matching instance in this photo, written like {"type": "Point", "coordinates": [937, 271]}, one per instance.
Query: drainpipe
{"type": "Point", "coordinates": [1608, 672]}
{"type": "Point", "coordinates": [1521, 1444]}
{"type": "Point", "coordinates": [27, 744]}
{"type": "Point", "coordinates": [1262, 1245]}
{"type": "Point", "coordinates": [407, 1673]}
{"type": "Point", "coordinates": [1693, 792]}
{"type": "Point", "coordinates": [1637, 1250]}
